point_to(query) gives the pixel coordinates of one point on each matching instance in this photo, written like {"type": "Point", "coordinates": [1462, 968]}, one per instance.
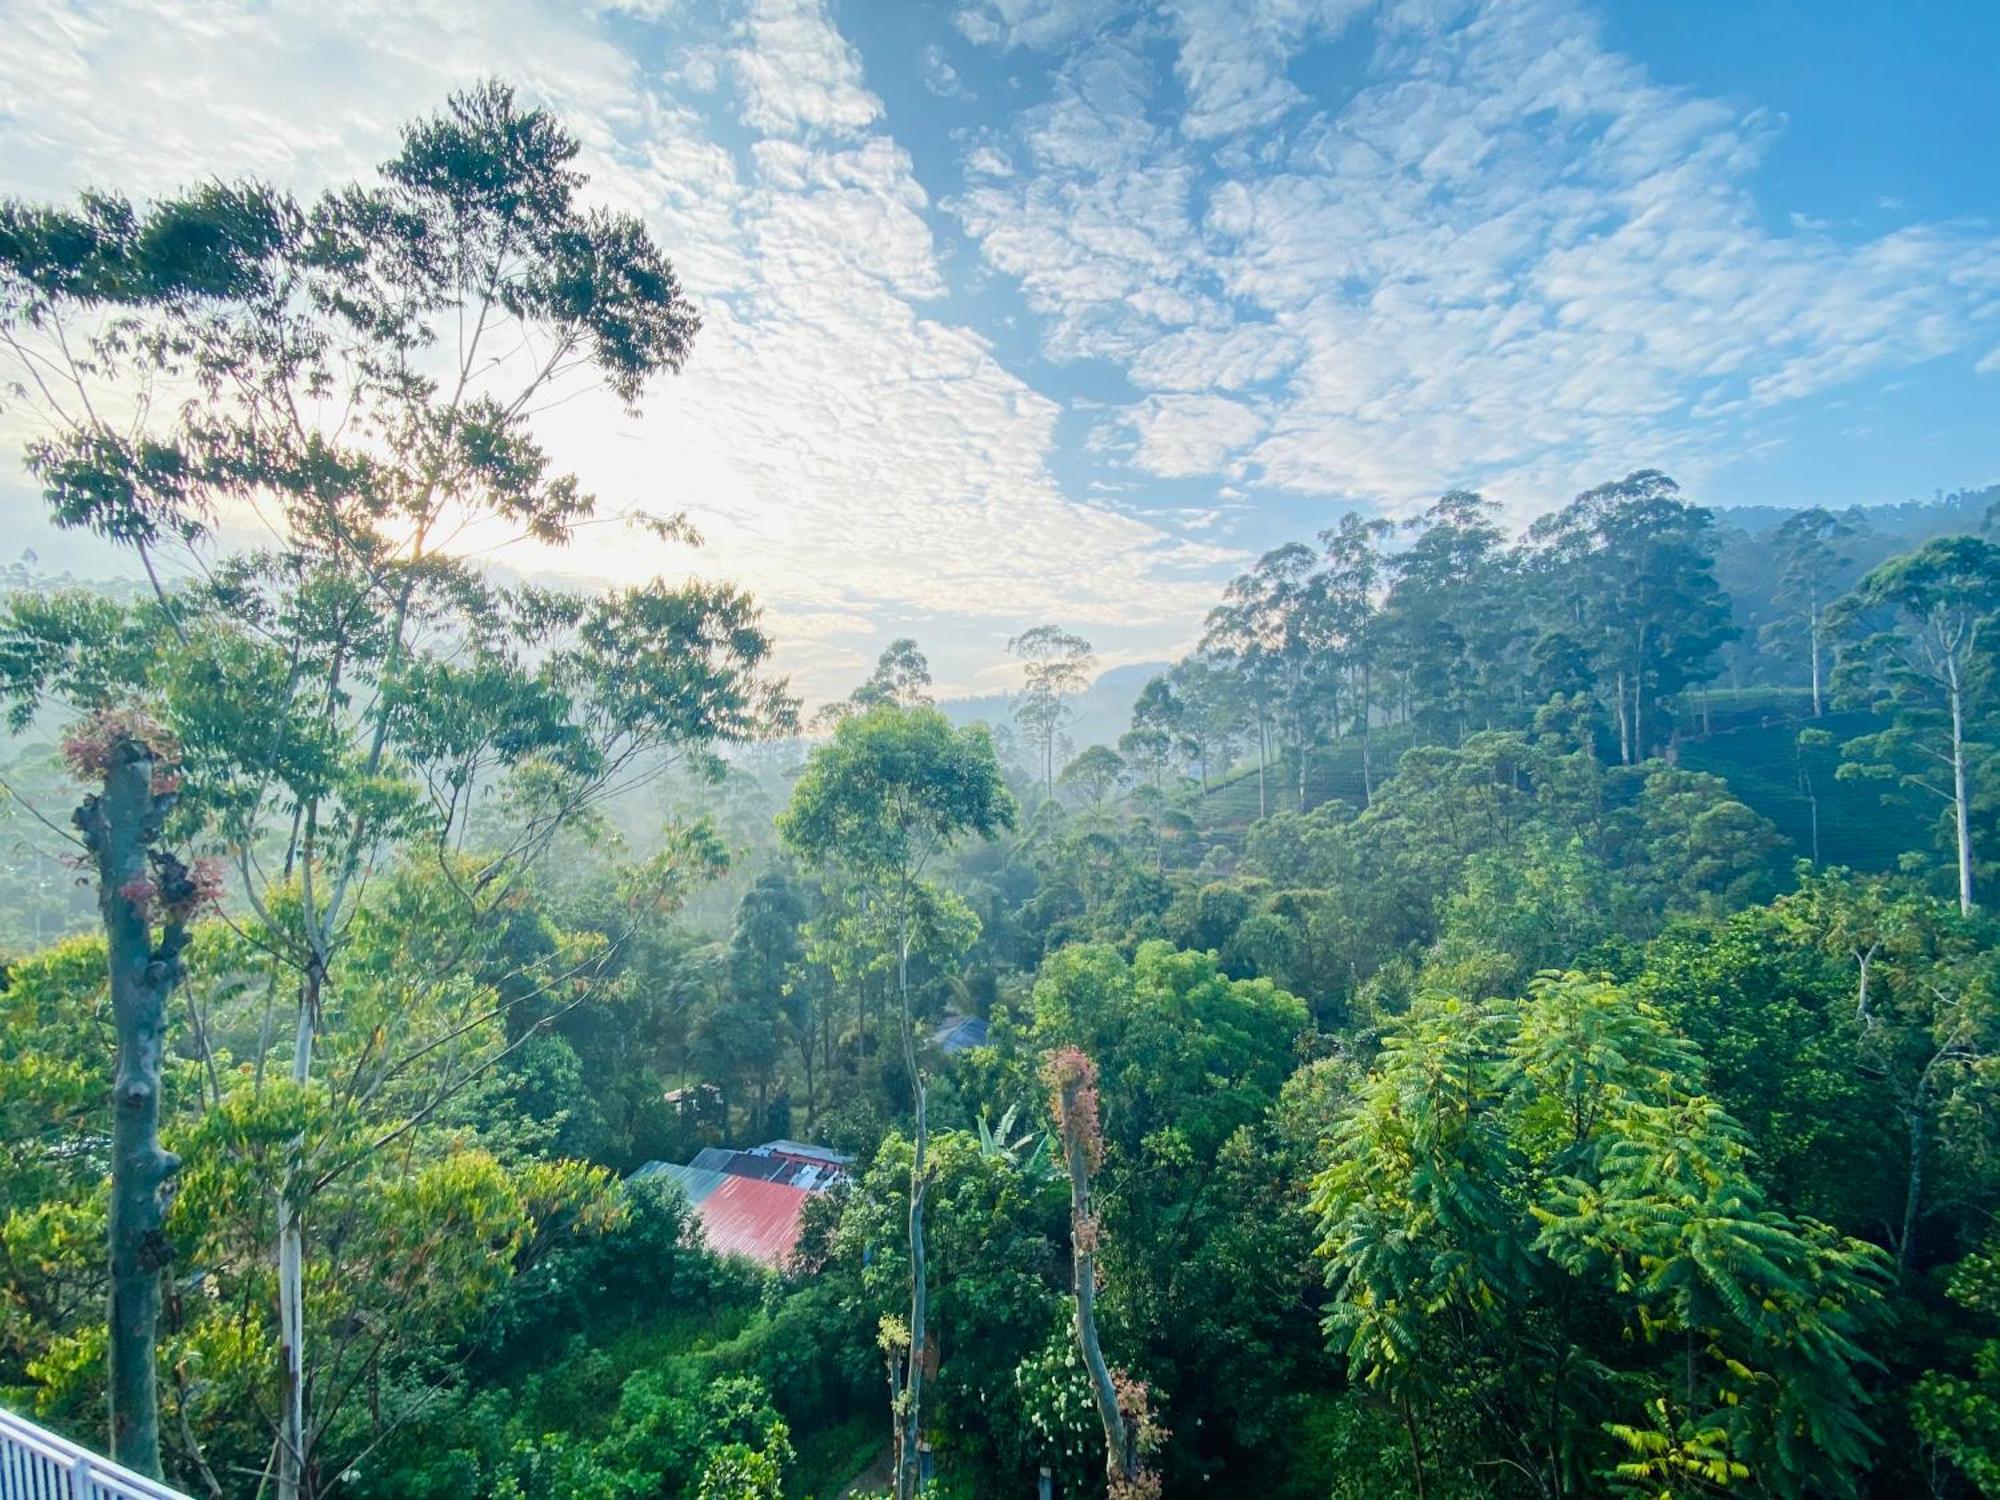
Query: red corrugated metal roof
{"type": "Point", "coordinates": [745, 1216]}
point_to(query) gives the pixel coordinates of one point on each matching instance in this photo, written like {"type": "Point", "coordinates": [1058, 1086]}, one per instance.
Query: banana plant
{"type": "Point", "coordinates": [1029, 1151]}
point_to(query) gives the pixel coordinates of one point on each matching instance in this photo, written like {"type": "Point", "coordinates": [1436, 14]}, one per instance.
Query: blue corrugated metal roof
{"type": "Point", "coordinates": [763, 1167]}
{"type": "Point", "coordinates": [696, 1182]}
{"type": "Point", "coordinates": [961, 1034]}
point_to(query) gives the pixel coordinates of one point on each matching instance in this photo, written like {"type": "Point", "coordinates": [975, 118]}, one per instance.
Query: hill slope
{"type": "Point", "coordinates": [1752, 744]}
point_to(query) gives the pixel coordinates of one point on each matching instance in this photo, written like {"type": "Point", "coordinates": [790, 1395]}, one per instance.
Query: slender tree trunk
{"type": "Point", "coordinates": [1639, 713]}
{"type": "Point", "coordinates": [1960, 797]}
{"type": "Point", "coordinates": [291, 1342]}
{"type": "Point", "coordinates": [907, 1461]}
{"type": "Point", "coordinates": [1812, 633]}
{"type": "Point", "coordinates": [292, 1440]}
{"type": "Point", "coordinates": [1913, 1191]}
{"type": "Point", "coordinates": [812, 1093]}
{"type": "Point", "coordinates": [897, 1363]}
{"type": "Point", "coordinates": [1624, 725]}
{"type": "Point", "coordinates": [1120, 1457]}
{"type": "Point", "coordinates": [1263, 758]}
{"type": "Point", "coordinates": [294, 1460]}
{"type": "Point", "coordinates": [1416, 1448]}
{"type": "Point", "coordinates": [120, 825]}
{"type": "Point", "coordinates": [1367, 728]}
{"type": "Point", "coordinates": [1639, 697]}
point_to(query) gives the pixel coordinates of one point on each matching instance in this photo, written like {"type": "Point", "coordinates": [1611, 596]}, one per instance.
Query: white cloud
{"type": "Point", "coordinates": [1233, 56]}
{"type": "Point", "coordinates": [797, 72]}
{"type": "Point", "coordinates": [1098, 228]}
{"type": "Point", "coordinates": [1179, 437]}
{"type": "Point", "coordinates": [1500, 254]}
{"type": "Point", "coordinates": [1033, 23]}
{"type": "Point", "coordinates": [1225, 359]}
{"type": "Point", "coordinates": [848, 457]}
{"type": "Point", "coordinates": [1509, 258]}
{"type": "Point", "coordinates": [988, 161]}
{"type": "Point", "coordinates": [940, 77]}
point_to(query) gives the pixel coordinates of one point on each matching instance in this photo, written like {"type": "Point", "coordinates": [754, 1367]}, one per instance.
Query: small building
{"type": "Point", "coordinates": [799, 1151]}
{"type": "Point", "coordinates": [701, 1099]}
{"type": "Point", "coordinates": [960, 1034]}
{"type": "Point", "coordinates": [751, 1202]}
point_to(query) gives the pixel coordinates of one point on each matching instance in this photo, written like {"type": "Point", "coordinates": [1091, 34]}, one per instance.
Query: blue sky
{"type": "Point", "coordinates": [1022, 310]}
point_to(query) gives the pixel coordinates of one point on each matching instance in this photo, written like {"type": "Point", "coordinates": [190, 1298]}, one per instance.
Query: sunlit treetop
{"type": "Point", "coordinates": [893, 787]}
{"type": "Point", "coordinates": [368, 361]}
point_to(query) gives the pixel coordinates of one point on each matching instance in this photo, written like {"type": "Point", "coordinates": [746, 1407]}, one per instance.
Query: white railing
{"type": "Point", "coordinates": [35, 1464]}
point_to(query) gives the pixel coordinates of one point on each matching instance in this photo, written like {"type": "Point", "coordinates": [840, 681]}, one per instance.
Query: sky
{"type": "Point", "coordinates": [1064, 310]}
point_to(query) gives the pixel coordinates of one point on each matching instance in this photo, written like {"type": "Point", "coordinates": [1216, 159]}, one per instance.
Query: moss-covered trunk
{"type": "Point", "coordinates": [120, 824]}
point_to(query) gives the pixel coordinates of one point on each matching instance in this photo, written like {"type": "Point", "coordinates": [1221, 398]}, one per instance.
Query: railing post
{"type": "Point", "coordinates": [36, 1464]}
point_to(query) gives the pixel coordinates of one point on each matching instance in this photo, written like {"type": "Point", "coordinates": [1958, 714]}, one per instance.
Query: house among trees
{"type": "Point", "coordinates": [960, 1034]}
{"type": "Point", "coordinates": [750, 1202]}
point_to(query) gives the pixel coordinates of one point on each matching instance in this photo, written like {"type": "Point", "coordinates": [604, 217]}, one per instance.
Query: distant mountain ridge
{"type": "Point", "coordinates": [1904, 520]}
{"type": "Point", "coordinates": [1103, 710]}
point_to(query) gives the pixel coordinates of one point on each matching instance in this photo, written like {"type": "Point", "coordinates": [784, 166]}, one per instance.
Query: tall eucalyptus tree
{"type": "Point", "coordinates": [1812, 554]}
{"type": "Point", "coordinates": [883, 802]}
{"type": "Point", "coordinates": [358, 377]}
{"type": "Point", "coordinates": [1058, 665]}
{"type": "Point", "coordinates": [1921, 632]}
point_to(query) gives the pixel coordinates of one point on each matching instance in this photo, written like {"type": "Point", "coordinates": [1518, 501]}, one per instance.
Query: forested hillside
{"type": "Point", "coordinates": [1511, 1012]}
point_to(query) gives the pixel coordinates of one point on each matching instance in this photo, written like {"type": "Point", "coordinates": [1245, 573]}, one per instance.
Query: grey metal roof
{"type": "Point", "coordinates": [961, 1034]}
{"type": "Point", "coordinates": [802, 1149]}
{"type": "Point", "coordinates": [758, 1167]}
